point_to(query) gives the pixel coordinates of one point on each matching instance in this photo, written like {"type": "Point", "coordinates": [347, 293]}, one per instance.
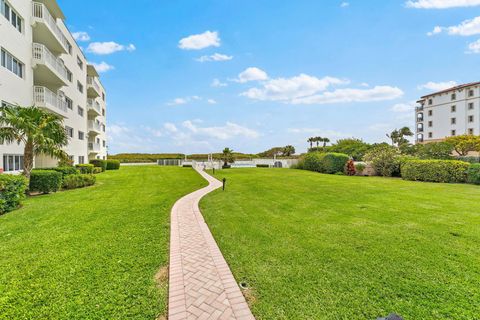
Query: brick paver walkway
{"type": "Point", "coordinates": [201, 285]}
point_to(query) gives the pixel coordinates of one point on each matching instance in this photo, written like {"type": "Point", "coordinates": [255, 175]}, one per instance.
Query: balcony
{"type": "Point", "coordinates": [420, 129]}
{"type": "Point", "coordinates": [93, 108]}
{"type": "Point", "coordinates": [93, 88]}
{"type": "Point", "coordinates": [419, 138]}
{"type": "Point", "coordinates": [46, 99]}
{"type": "Point", "coordinates": [94, 128]}
{"type": "Point", "coordinates": [419, 108]}
{"type": "Point", "coordinates": [49, 70]}
{"type": "Point", "coordinates": [419, 117]}
{"type": "Point", "coordinates": [94, 148]}
{"type": "Point", "coordinates": [46, 31]}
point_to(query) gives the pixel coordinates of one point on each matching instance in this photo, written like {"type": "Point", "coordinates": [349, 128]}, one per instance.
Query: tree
{"type": "Point", "coordinates": [355, 148]}
{"type": "Point", "coordinates": [311, 140]}
{"type": "Point", "coordinates": [318, 140]}
{"type": "Point", "coordinates": [40, 131]}
{"type": "Point", "coordinates": [288, 151]}
{"type": "Point", "coordinates": [464, 144]}
{"type": "Point", "coordinates": [227, 156]}
{"type": "Point", "coordinates": [325, 141]}
{"type": "Point", "coordinates": [434, 150]}
{"type": "Point", "coordinates": [384, 159]}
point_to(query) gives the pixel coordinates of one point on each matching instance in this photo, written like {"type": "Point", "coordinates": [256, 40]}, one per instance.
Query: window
{"type": "Point", "coordinates": [69, 47]}
{"type": "Point", "coordinates": [69, 103]}
{"type": "Point", "coordinates": [69, 131]}
{"type": "Point", "coordinates": [103, 112]}
{"type": "Point", "coordinates": [103, 96]}
{"type": "Point", "coordinates": [430, 123]}
{"type": "Point", "coordinates": [470, 93]}
{"type": "Point", "coordinates": [80, 86]}
{"type": "Point", "coordinates": [103, 127]}
{"type": "Point", "coordinates": [470, 131]}
{"type": "Point", "coordinates": [81, 135]}
{"type": "Point", "coordinates": [453, 96]}
{"type": "Point", "coordinates": [470, 118]}
{"type": "Point", "coordinates": [71, 158]}
{"type": "Point", "coordinates": [470, 106]}
{"type": "Point", "coordinates": [80, 111]}
{"type": "Point", "coordinates": [11, 15]}
{"type": "Point", "coordinates": [69, 75]}
{"type": "Point", "coordinates": [454, 133]}
{"type": "Point", "coordinates": [430, 113]}
{"type": "Point", "coordinates": [453, 108]}
{"type": "Point", "coordinates": [81, 159]}
{"type": "Point", "coordinates": [12, 162]}
{"type": "Point", "coordinates": [430, 135]}
{"type": "Point", "coordinates": [453, 120]}
{"type": "Point", "coordinates": [104, 143]}
{"type": "Point", "coordinates": [98, 140]}
{"type": "Point", "coordinates": [12, 63]}
{"type": "Point", "coordinates": [80, 63]}
{"type": "Point", "coordinates": [430, 102]}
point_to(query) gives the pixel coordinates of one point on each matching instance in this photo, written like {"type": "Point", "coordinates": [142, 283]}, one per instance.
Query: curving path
{"type": "Point", "coordinates": [201, 285]}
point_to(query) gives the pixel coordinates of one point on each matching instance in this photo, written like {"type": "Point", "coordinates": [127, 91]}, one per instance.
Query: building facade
{"type": "Point", "coordinates": [42, 65]}
{"type": "Point", "coordinates": [450, 112]}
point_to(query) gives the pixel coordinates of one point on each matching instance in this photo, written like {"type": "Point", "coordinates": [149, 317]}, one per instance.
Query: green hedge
{"type": "Point", "coordinates": [97, 170]}
{"type": "Point", "coordinates": [334, 162]}
{"type": "Point", "coordinates": [45, 181]}
{"type": "Point", "coordinates": [98, 163]}
{"type": "Point", "coordinates": [263, 166]}
{"type": "Point", "coordinates": [65, 171]}
{"type": "Point", "coordinates": [85, 168]}
{"type": "Point", "coordinates": [78, 181]}
{"type": "Point", "coordinates": [12, 192]}
{"type": "Point", "coordinates": [313, 161]}
{"type": "Point", "coordinates": [113, 164]}
{"type": "Point", "coordinates": [473, 173]}
{"type": "Point", "coordinates": [450, 171]}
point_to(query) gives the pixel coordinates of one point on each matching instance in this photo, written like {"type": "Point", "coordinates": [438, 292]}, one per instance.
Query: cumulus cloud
{"type": "Point", "coordinates": [437, 86]}
{"type": "Point", "coordinates": [102, 66]}
{"type": "Point", "coordinates": [465, 28]}
{"type": "Point", "coordinates": [104, 48]}
{"type": "Point", "coordinates": [170, 127]}
{"type": "Point", "coordinates": [403, 107]}
{"type": "Point", "coordinates": [344, 4]}
{"type": "Point", "coordinates": [215, 57]}
{"type": "Point", "coordinates": [225, 132]}
{"type": "Point", "coordinates": [212, 101]}
{"type": "Point", "coordinates": [185, 100]}
{"type": "Point", "coordinates": [441, 4]}
{"type": "Point", "coordinates": [81, 36]}
{"type": "Point", "coordinates": [218, 84]}
{"type": "Point", "coordinates": [252, 74]}
{"type": "Point", "coordinates": [200, 41]}
{"type": "Point", "coordinates": [474, 47]}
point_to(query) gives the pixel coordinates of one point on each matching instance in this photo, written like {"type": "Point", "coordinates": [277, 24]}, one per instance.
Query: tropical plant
{"type": "Point", "coordinates": [464, 144]}
{"type": "Point", "coordinates": [434, 150]}
{"type": "Point", "coordinates": [227, 156]}
{"type": "Point", "coordinates": [355, 148]}
{"type": "Point", "coordinates": [350, 169]}
{"type": "Point", "coordinates": [384, 159]}
{"type": "Point", "coordinates": [398, 137]}
{"type": "Point", "coordinates": [288, 151]}
{"type": "Point", "coordinates": [325, 141]}
{"type": "Point", "coordinates": [311, 140]}
{"type": "Point", "coordinates": [41, 132]}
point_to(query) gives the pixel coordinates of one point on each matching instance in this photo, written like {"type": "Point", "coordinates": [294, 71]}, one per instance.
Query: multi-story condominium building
{"type": "Point", "coordinates": [42, 65]}
{"type": "Point", "coordinates": [449, 112]}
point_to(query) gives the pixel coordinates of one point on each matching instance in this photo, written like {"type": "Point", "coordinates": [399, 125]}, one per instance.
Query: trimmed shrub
{"type": "Point", "coordinates": [350, 168]}
{"type": "Point", "coordinates": [113, 164]}
{"type": "Point", "coordinates": [263, 166]}
{"type": "Point", "coordinates": [65, 171]}
{"type": "Point", "coordinates": [85, 168]}
{"type": "Point", "coordinates": [473, 173]}
{"type": "Point", "coordinates": [451, 171]}
{"type": "Point", "coordinates": [45, 181]}
{"type": "Point", "coordinates": [78, 181]}
{"type": "Point", "coordinates": [333, 162]}
{"type": "Point", "coordinates": [98, 163]}
{"type": "Point", "coordinates": [186, 165]}
{"type": "Point", "coordinates": [97, 170]}
{"type": "Point", "coordinates": [312, 161]}
{"type": "Point", "coordinates": [12, 192]}
{"type": "Point", "coordinates": [384, 159]}
{"type": "Point", "coordinates": [226, 166]}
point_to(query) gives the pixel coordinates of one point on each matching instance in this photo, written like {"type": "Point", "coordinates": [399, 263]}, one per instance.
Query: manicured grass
{"type": "Point", "coordinates": [315, 246]}
{"type": "Point", "coordinates": [92, 253]}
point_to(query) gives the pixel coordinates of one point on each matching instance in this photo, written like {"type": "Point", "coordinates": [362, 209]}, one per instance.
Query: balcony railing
{"type": "Point", "coordinates": [40, 11]}
{"type": "Point", "coordinates": [93, 83]}
{"type": "Point", "coordinates": [42, 55]}
{"type": "Point", "coordinates": [94, 147]}
{"type": "Point", "coordinates": [43, 97]}
{"type": "Point", "coordinates": [94, 105]}
{"type": "Point", "coordinates": [419, 108]}
{"type": "Point", "coordinates": [94, 126]}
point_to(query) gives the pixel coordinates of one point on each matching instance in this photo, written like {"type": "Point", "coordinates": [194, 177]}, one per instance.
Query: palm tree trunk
{"type": "Point", "coordinates": [28, 159]}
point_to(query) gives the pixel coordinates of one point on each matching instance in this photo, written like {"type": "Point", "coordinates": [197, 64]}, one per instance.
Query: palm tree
{"type": "Point", "coordinates": [288, 150]}
{"type": "Point", "coordinates": [227, 156]}
{"type": "Point", "coordinates": [40, 131]}
{"type": "Point", "coordinates": [325, 141]}
{"type": "Point", "coordinates": [318, 139]}
{"type": "Point", "coordinates": [310, 140]}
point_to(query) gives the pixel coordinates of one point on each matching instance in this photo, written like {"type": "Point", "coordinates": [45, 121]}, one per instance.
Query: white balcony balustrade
{"type": "Point", "coordinates": [44, 98]}
{"type": "Point", "coordinates": [56, 73]}
{"type": "Point", "coordinates": [43, 17]}
{"type": "Point", "coordinates": [94, 127]}
{"type": "Point", "coordinates": [94, 107]}
{"type": "Point", "coordinates": [94, 147]}
{"type": "Point", "coordinates": [93, 88]}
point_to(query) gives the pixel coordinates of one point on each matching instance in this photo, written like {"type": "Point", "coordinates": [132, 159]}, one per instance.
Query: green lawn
{"type": "Point", "coordinates": [92, 253]}
{"type": "Point", "coordinates": [313, 246]}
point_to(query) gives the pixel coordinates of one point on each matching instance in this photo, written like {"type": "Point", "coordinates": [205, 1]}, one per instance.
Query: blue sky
{"type": "Point", "coordinates": [197, 76]}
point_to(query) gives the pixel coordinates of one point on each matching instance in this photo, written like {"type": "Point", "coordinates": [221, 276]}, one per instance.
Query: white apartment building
{"type": "Point", "coordinates": [42, 65]}
{"type": "Point", "coordinates": [449, 112]}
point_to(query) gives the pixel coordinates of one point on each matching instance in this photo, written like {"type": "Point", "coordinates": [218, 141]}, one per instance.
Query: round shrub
{"type": "Point", "coordinates": [12, 192]}
{"type": "Point", "coordinates": [45, 181]}
{"type": "Point", "coordinates": [97, 170]}
{"type": "Point", "coordinates": [78, 181]}
{"type": "Point", "coordinates": [384, 159]}
{"type": "Point", "coordinates": [473, 173]}
{"type": "Point", "coordinates": [85, 168]}
{"type": "Point", "coordinates": [312, 161]}
{"type": "Point", "coordinates": [113, 164]}
{"type": "Point", "coordinates": [99, 164]}
{"type": "Point", "coordinates": [334, 162]}
{"type": "Point", "coordinates": [451, 171]}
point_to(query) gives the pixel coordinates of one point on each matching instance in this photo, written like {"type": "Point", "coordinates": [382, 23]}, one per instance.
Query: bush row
{"type": "Point", "coordinates": [45, 181]}
{"type": "Point", "coordinates": [12, 192]}
{"type": "Point", "coordinates": [451, 171]}
{"type": "Point", "coordinates": [78, 181]}
{"type": "Point", "coordinates": [324, 162]}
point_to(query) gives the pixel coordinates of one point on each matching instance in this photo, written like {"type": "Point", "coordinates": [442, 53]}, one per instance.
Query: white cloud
{"type": "Point", "coordinates": [217, 83]}
{"type": "Point", "coordinates": [200, 41]}
{"type": "Point", "coordinates": [474, 47]}
{"type": "Point", "coordinates": [170, 127]}
{"type": "Point", "coordinates": [81, 36]}
{"type": "Point", "coordinates": [283, 89]}
{"type": "Point", "coordinates": [185, 100]}
{"type": "Point", "coordinates": [178, 101]}
{"type": "Point", "coordinates": [212, 101]}
{"type": "Point", "coordinates": [441, 4]}
{"type": "Point", "coordinates": [344, 4]}
{"type": "Point", "coordinates": [104, 48]}
{"type": "Point", "coordinates": [215, 57]}
{"type": "Point", "coordinates": [252, 74]}
{"type": "Point", "coordinates": [225, 132]}
{"type": "Point", "coordinates": [102, 66]}
{"type": "Point", "coordinates": [403, 107]}
{"type": "Point", "coordinates": [465, 28]}
{"type": "Point", "coordinates": [437, 86]}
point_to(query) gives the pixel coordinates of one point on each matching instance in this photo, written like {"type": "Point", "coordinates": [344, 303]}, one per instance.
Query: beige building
{"type": "Point", "coordinates": [450, 112]}
{"type": "Point", "coordinates": [42, 65]}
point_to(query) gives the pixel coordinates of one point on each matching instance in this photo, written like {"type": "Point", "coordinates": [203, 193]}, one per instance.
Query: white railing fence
{"type": "Point", "coordinates": [92, 82]}
{"type": "Point", "coordinates": [44, 97]}
{"type": "Point", "coordinates": [40, 11]}
{"type": "Point", "coordinates": [43, 55]}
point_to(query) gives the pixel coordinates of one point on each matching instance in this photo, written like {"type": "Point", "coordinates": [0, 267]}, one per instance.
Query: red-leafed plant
{"type": "Point", "coordinates": [350, 168]}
